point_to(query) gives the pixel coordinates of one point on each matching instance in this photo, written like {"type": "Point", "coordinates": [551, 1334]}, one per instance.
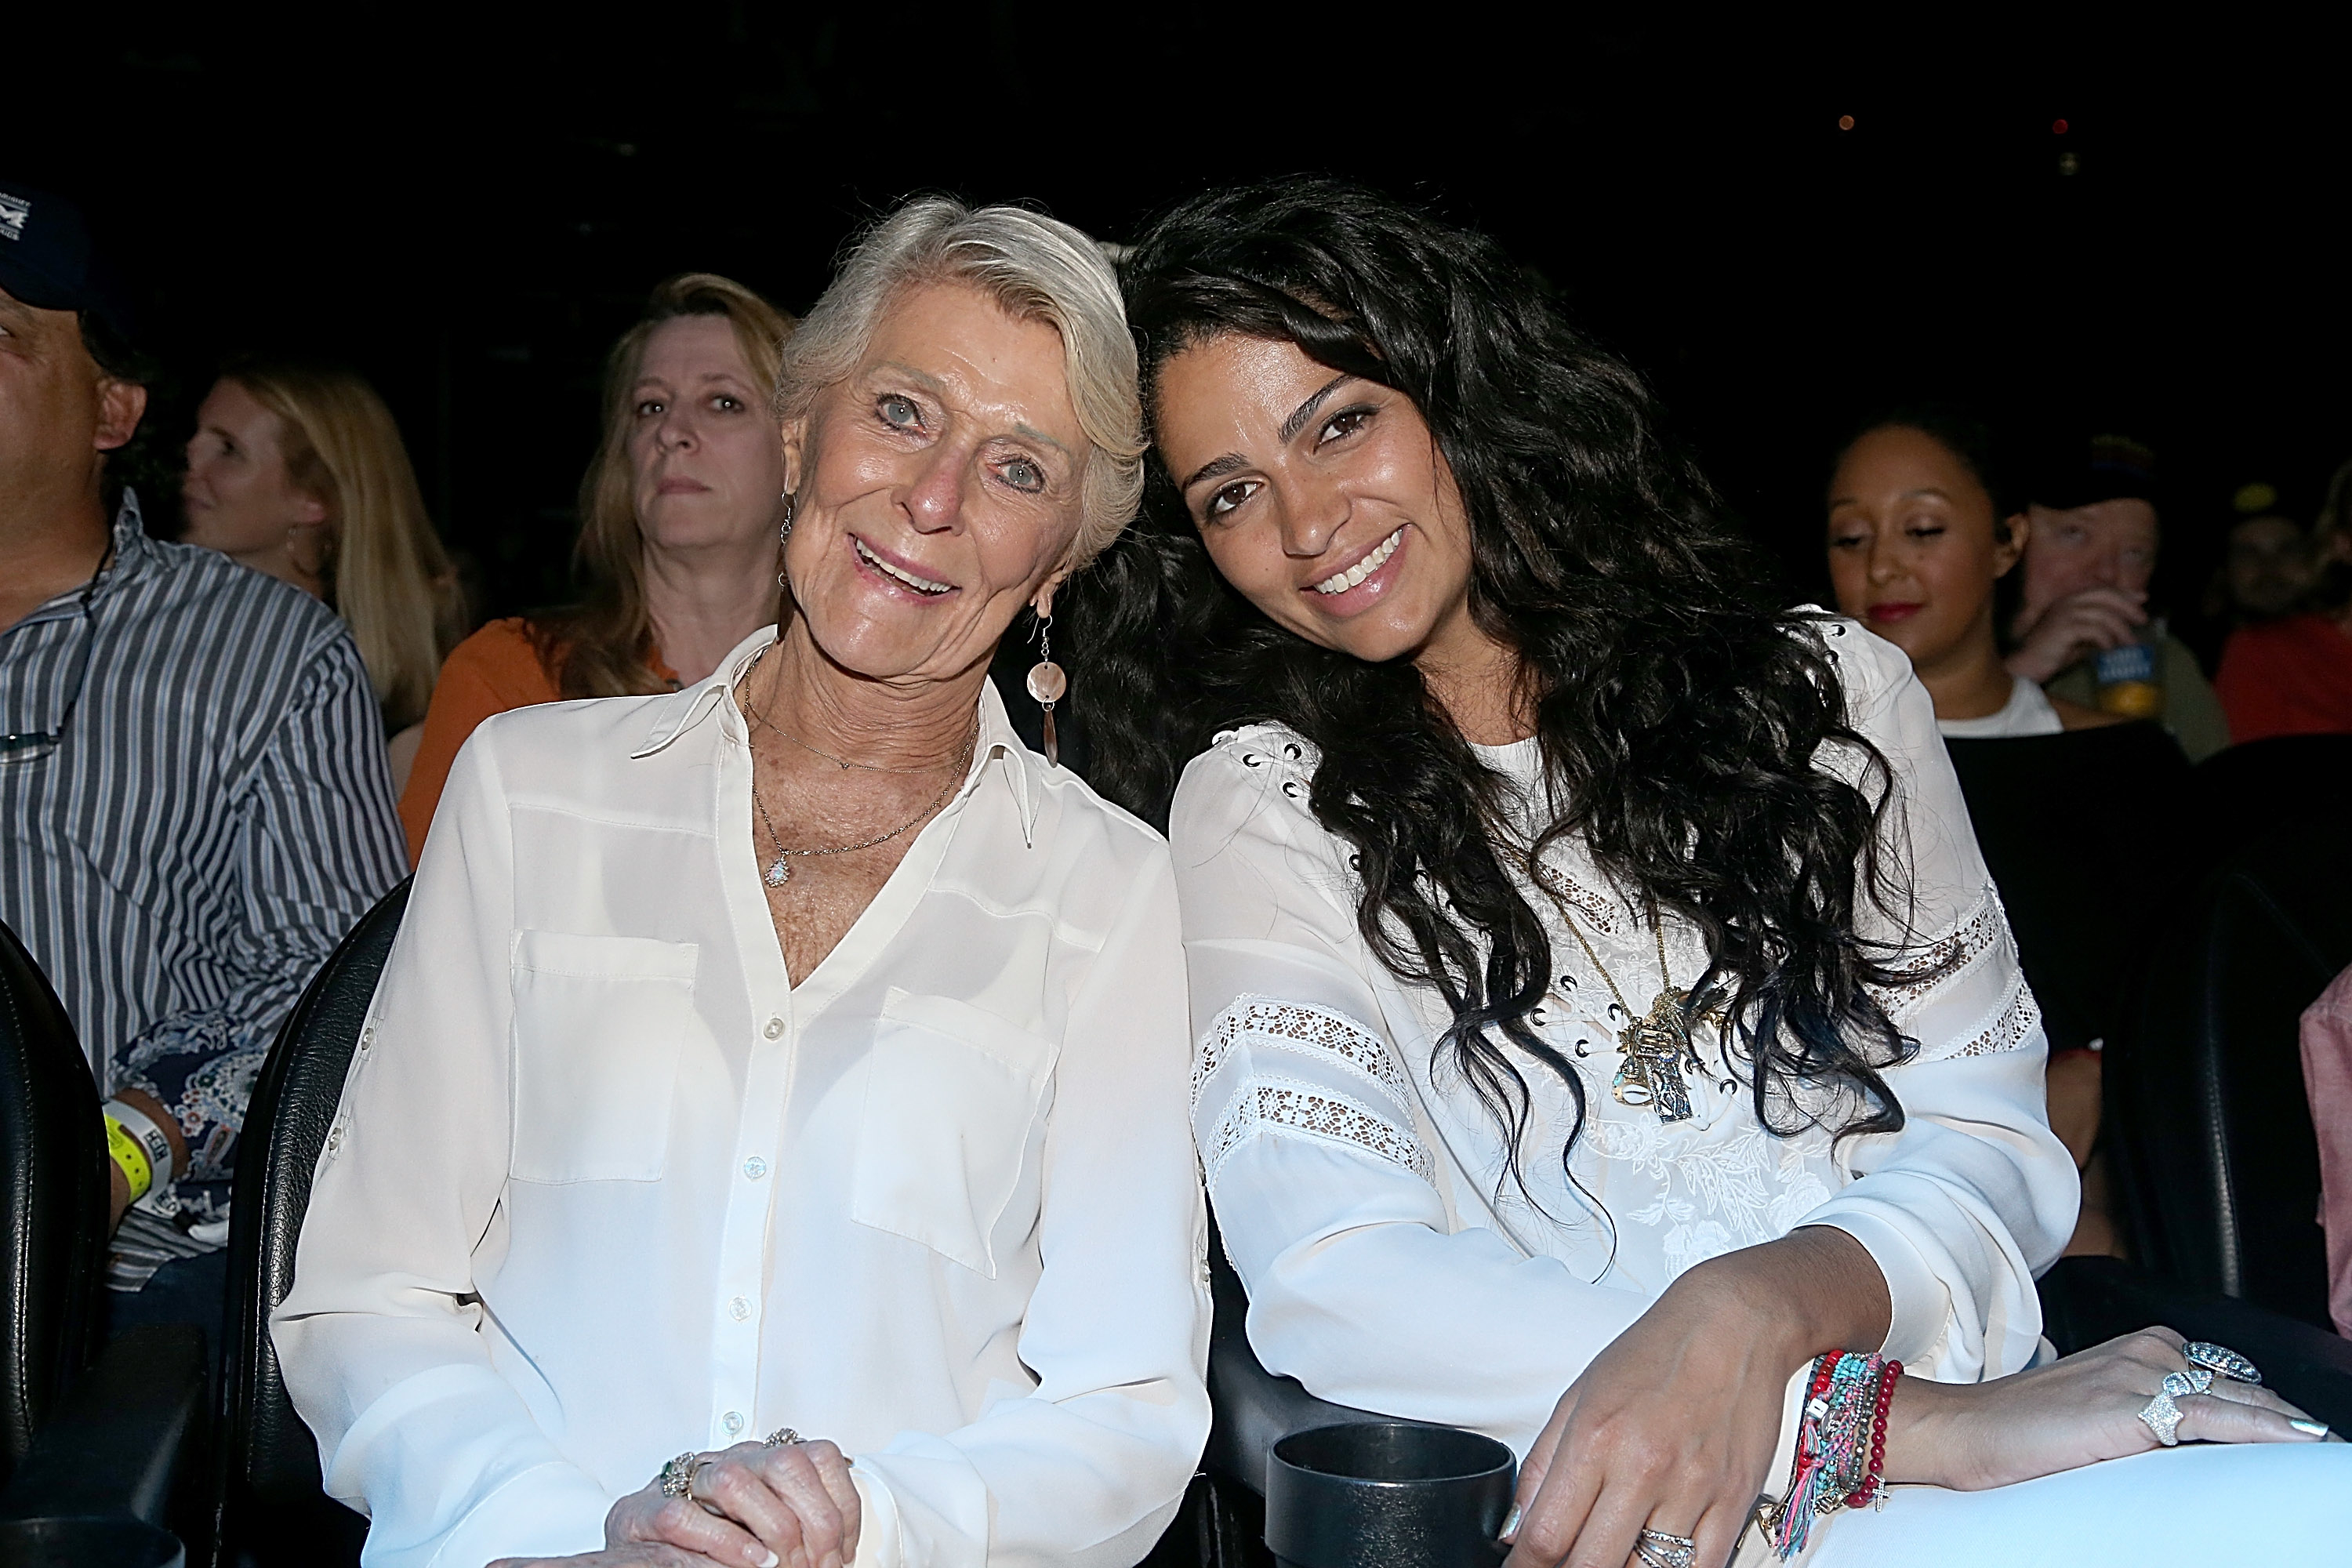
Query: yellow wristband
{"type": "Point", "coordinates": [124, 1150]}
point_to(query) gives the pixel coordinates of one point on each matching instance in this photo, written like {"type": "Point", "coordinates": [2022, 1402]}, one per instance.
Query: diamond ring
{"type": "Point", "coordinates": [1659, 1550]}
{"type": "Point", "coordinates": [2162, 1418]}
{"type": "Point", "coordinates": [2221, 1359]}
{"type": "Point", "coordinates": [780, 1437]}
{"type": "Point", "coordinates": [2196, 1380]}
{"type": "Point", "coordinates": [678, 1475]}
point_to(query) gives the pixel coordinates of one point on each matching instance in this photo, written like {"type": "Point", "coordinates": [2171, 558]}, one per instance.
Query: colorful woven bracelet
{"type": "Point", "coordinates": [1841, 1457]}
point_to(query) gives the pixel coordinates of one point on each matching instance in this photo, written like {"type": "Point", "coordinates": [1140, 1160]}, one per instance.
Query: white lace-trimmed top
{"type": "Point", "coordinates": [1360, 1186]}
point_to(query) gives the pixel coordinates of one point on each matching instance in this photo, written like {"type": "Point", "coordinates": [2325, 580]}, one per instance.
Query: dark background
{"type": "Point", "coordinates": [470, 204]}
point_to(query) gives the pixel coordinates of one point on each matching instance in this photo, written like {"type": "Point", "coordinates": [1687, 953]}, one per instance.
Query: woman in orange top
{"type": "Point", "coordinates": [679, 518]}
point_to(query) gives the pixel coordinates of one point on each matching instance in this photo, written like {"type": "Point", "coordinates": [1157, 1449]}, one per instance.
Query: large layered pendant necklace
{"type": "Point", "coordinates": [1655, 1044]}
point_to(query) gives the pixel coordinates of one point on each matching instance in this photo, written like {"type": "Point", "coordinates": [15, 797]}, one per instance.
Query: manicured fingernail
{"type": "Point", "coordinates": [1510, 1523]}
{"type": "Point", "coordinates": [770, 1560]}
{"type": "Point", "coordinates": [2310, 1428]}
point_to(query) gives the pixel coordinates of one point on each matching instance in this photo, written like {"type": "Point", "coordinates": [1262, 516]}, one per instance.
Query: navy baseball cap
{"type": "Point", "coordinates": [47, 259]}
{"type": "Point", "coordinates": [2104, 467]}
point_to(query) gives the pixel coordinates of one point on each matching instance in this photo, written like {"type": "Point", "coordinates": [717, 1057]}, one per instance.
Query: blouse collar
{"type": "Point", "coordinates": [1000, 749]}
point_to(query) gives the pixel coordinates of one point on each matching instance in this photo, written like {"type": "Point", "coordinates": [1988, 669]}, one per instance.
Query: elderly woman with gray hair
{"type": "Point", "coordinates": [798, 1053]}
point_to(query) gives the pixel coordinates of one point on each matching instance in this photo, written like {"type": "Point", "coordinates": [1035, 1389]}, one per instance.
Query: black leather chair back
{"type": "Point", "coordinates": [2215, 1157]}
{"type": "Point", "coordinates": [2247, 793]}
{"type": "Point", "coordinates": [271, 1502]}
{"type": "Point", "coordinates": [53, 1186]}
{"type": "Point", "coordinates": [2081, 832]}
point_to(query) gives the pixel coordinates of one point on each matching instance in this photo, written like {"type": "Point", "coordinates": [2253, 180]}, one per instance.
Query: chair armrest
{"type": "Point", "coordinates": [2087, 1301]}
{"type": "Point", "coordinates": [124, 1441]}
{"type": "Point", "coordinates": [1253, 1408]}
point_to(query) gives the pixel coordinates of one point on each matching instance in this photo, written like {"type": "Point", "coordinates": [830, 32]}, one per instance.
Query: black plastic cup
{"type": "Point", "coordinates": [117, 1541]}
{"type": "Point", "coordinates": [1387, 1494]}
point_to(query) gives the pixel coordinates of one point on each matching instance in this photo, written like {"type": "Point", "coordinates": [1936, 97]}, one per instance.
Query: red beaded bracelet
{"type": "Point", "coordinates": [1875, 1480]}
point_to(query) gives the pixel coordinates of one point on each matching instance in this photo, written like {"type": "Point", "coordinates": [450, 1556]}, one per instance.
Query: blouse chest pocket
{"type": "Point", "coordinates": [950, 1098]}
{"type": "Point", "coordinates": [598, 1024]}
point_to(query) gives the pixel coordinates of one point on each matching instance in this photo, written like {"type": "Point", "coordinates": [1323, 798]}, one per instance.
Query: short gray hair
{"type": "Point", "coordinates": [1038, 269]}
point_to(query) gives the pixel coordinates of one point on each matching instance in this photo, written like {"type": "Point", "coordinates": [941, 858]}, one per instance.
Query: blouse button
{"type": "Point", "coordinates": [775, 1028]}
{"type": "Point", "coordinates": [732, 1421]}
{"type": "Point", "coordinates": [754, 1168]}
{"type": "Point", "coordinates": [739, 1309]}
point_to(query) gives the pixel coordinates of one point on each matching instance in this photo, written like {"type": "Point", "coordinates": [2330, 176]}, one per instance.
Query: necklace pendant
{"type": "Point", "coordinates": [781, 872]}
{"type": "Point", "coordinates": [1654, 1047]}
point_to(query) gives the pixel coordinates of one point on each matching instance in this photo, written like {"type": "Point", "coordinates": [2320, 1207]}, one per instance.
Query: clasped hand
{"type": "Point", "coordinates": [791, 1506]}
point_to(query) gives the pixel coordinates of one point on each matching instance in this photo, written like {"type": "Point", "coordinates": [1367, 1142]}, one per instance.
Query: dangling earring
{"type": "Point", "coordinates": [784, 536]}
{"type": "Point", "coordinates": [1048, 685]}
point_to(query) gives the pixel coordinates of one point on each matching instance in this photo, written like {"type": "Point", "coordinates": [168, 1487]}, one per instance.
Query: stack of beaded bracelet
{"type": "Point", "coordinates": [1841, 1460]}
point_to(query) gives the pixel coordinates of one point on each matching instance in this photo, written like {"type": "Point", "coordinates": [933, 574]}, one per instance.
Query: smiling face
{"type": "Point", "coordinates": [238, 497]}
{"type": "Point", "coordinates": [1914, 546]}
{"type": "Point", "coordinates": [1321, 496]}
{"type": "Point", "coordinates": [705, 465]}
{"type": "Point", "coordinates": [936, 487]}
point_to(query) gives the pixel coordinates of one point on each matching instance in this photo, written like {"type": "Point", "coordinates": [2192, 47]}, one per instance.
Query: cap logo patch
{"type": "Point", "coordinates": [14, 210]}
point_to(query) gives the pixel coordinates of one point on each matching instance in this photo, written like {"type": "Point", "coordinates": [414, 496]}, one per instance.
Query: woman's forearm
{"type": "Point", "coordinates": [1825, 1292]}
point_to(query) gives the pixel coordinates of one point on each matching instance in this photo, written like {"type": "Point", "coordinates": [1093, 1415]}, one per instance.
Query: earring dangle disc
{"type": "Point", "coordinates": [1048, 685]}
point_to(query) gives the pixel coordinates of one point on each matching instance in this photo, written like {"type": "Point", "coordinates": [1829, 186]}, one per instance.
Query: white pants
{"type": "Point", "coordinates": [2196, 1506]}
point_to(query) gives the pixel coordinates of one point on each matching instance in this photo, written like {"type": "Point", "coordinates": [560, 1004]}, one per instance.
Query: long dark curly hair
{"type": "Point", "coordinates": [1680, 707]}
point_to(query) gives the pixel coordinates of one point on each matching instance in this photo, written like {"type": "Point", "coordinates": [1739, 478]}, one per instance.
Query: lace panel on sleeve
{"type": "Point", "coordinates": [1282, 1106]}
{"type": "Point", "coordinates": [1316, 1032]}
{"type": "Point", "coordinates": [2017, 1023]}
{"type": "Point", "coordinates": [1280, 1109]}
{"type": "Point", "coordinates": [1923, 971]}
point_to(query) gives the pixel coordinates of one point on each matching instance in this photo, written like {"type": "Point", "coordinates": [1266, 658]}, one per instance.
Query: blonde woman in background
{"type": "Point", "coordinates": [299, 471]}
{"type": "Point", "coordinates": [677, 541]}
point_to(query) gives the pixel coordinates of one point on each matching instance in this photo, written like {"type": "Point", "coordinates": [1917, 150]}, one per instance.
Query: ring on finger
{"type": "Point", "coordinates": [678, 1475]}
{"type": "Point", "coordinates": [783, 1436]}
{"type": "Point", "coordinates": [2162, 1418]}
{"type": "Point", "coordinates": [695, 1488]}
{"type": "Point", "coordinates": [2196, 1380]}
{"type": "Point", "coordinates": [2221, 1359]}
{"type": "Point", "coordinates": [1659, 1550]}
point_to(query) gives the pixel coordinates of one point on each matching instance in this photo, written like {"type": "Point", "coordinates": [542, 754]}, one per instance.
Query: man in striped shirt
{"type": "Point", "coordinates": [194, 804]}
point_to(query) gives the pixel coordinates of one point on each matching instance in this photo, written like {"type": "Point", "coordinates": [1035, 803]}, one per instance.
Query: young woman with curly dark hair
{"type": "Point", "coordinates": [1602, 1008]}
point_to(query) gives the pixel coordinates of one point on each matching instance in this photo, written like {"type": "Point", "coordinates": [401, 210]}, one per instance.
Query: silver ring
{"type": "Point", "coordinates": [2221, 1359]}
{"type": "Point", "coordinates": [694, 1480]}
{"type": "Point", "coordinates": [2162, 1418]}
{"type": "Point", "coordinates": [2196, 1380]}
{"type": "Point", "coordinates": [1659, 1550]}
{"type": "Point", "coordinates": [678, 1475]}
{"type": "Point", "coordinates": [780, 1437]}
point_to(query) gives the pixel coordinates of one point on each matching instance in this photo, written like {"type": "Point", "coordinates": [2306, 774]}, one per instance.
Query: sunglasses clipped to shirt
{"type": "Point", "coordinates": [35, 745]}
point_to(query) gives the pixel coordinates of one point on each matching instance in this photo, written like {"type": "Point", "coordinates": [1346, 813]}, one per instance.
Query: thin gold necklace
{"type": "Point", "coordinates": [780, 869]}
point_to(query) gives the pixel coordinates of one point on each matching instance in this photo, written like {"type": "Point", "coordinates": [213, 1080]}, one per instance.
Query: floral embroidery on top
{"type": "Point", "coordinates": [1734, 1192]}
{"type": "Point", "coordinates": [1298, 1027]}
{"type": "Point", "coordinates": [1270, 1107]}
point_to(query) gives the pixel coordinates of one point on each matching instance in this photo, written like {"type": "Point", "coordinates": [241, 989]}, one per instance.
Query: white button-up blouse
{"type": "Point", "coordinates": [604, 1185]}
{"type": "Point", "coordinates": [1360, 1187]}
